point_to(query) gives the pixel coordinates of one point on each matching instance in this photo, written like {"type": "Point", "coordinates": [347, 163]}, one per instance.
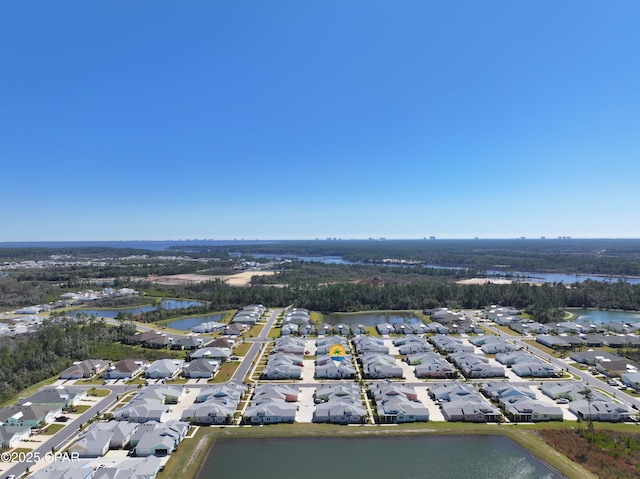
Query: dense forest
{"type": "Point", "coordinates": [26, 359]}
{"type": "Point", "coordinates": [571, 256]}
{"type": "Point", "coordinates": [545, 302]}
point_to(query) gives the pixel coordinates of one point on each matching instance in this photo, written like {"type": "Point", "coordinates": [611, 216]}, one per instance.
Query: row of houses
{"type": "Point", "coordinates": [249, 315]}
{"type": "Point", "coordinates": [130, 468]}
{"type": "Point", "coordinates": [462, 402]}
{"type": "Point", "coordinates": [151, 438]}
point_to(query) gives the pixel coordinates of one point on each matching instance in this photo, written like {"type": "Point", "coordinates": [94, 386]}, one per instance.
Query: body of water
{"type": "Point", "coordinates": [187, 324]}
{"type": "Point", "coordinates": [112, 313]}
{"type": "Point", "coordinates": [595, 316]}
{"type": "Point", "coordinates": [371, 319]}
{"type": "Point", "coordinates": [428, 457]}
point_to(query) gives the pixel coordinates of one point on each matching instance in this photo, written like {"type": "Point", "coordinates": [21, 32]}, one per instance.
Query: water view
{"type": "Point", "coordinates": [371, 319]}
{"type": "Point", "coordinates": [112, 313]}
{"type": "Point", "coordinates": [454, 457]}
{"type": "Point", "coordinates": [597, 316]}
{"type": "Point", "coordinates": [186, 324]}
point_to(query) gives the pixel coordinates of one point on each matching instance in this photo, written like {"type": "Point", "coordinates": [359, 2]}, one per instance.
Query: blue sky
{"type": "Point", "coordinates": [292, 119]}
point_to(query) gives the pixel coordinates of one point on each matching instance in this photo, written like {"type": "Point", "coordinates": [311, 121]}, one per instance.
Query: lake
{"type": "Point", "coordinates": [186, 324]}
{"type": "Point", "coordinates": [371, 319]}
{"type": "Point", "coordinates": [596, 316]}
{"type": "Point", "coordinates": [442, 457]}
{"type": "Point", "coordinates": [112, 313]}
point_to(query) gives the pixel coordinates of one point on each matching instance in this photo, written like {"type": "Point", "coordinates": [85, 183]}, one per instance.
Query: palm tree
{"type": "Point", "coordinates": [587, 394]}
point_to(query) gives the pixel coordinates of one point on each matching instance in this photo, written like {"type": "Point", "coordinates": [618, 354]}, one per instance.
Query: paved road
{"type": "Point", "coordinates": [584, 375]}
{"type": "Point", "coordinates": [247, 361]}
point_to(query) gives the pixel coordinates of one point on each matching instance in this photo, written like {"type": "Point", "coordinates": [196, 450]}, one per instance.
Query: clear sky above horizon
{"type": "Point", "coordinates": [295, 119]}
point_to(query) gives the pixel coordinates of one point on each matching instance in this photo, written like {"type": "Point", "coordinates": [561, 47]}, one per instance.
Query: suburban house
{"type": "Point", "coordinates": [142, 411]}
{"type": "Point", "coordinates": [289, 346]}
{"type": "Point", "coordinates": [84, 369]}
{"type": "Point", "coordinates": [470, 409]}
{"type": "Point", "coordinates": [57, 397]}
{"type": "Point", "coordinates": [326, 368]}
{"type": "Point", "coordinates": [283, 392]}
{"type": "Point", "coordinates": [631, 379]}
{"type": "Point", "coordinates": [606, 411]}
{"type": "Point", "coordinates": [447, 344]}
{"type": "Point", "coordinates": [367, 344]}
{"type": "Point", "coordinates": [163, 369]}
{"type": "Point", "coordinates": [523, 409]}
{"type": "Point", "coordinates": [230, 390]}
{"type": "Point", "coordinates": [211, 352]}
{"type": "Point", "coordinates": [160, 394]}
{"type": "Point", "coordinates": [125, 369]}
{"type": "Point", "coordinates": [213, 411]}
{"type": "Point", "coordinates": [432, 365]}
{"type": "Point", "coordinates": [341, 389]}
{"type": "Point", "coordinates": [397, 403]}
{"type": "Point", "coordinates": [475, 366]}
{"type": "Point", "coordinates": [283, 366]}
{"type": "Point", "coordinates": [201, 368]}
{"type": "Point", "coordinates": [155, 439]}
{"type": "Point", "coordinates": [341, 410]}
{"type": "Point", "coordinates": [324, 345]}
{"type": "Point", "coordinates": [380, 366]}
{"type": "Point", "coordinates": [270, 411]}
{"type": "Point", "coordinates": [10, 436]}
{"type": "Point", "coordinates": [29, 415]}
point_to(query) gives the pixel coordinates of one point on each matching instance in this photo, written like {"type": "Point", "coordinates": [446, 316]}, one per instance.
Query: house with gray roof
{"type": "Point", "coordinates": [341, 410]}
{"type": "Point", "coordinates": [324, 345]}
{"type": "Point", "coordinates": [524, 409]}
{"type": "Point", "coordinates": [58, 397]}
{"type": "Point", "coordinates": [201, 368]}
{"type": "Point", "coordinates": [380, 366]}
{"type": "Point", "coordinates": [142, 411]}
{"type": "Point", "coordinates": [452, 390]}
{"type": "Point", "coordinates": [328, 391]}
{"type": "Point", "coordinates": [84, 369]}
{"type": "Point", "coordinates": [492, 344]}
{"type": "Point", "coordinates": [527, 328]}
{"type": "Point", "coordinates": [475, 366]}
{"type": "Point", "coordinates": [327, 368]}
{"type": "Point", "coordinates": [398, 409]}
{"type": "Point", "coordinates": [290, 346]}
{"type": "Point", "coordinates": [385, 328]}
{"type": "Point", "coordinates": [30, 415]}
{"type": "Point", "coordinates": [368, 344]}
{"type": "Point", "coordinates": [284, 392]}
{"type": "Point", "coordinates": [471, 409]}
{"type": "Point", "coordinates": [432, 365]}
{"type": "Point", "coordinates": [187, 343]}
{"type": "Point", "coordinates": [164, 369]}
{"type": "Point", "coordinates": [154, 439]}
{"type": "Point", "coordinates": [415, 347]}
{"type": "Point", "coordinates": [593, 357]}
{"type": "Point", "coordinates": [554, 342]}
{"type": "Point", "coordinates": [10, 436]}
{"type": "Point", "coordinates": [270, 411]}
{"type": "Point", "coordinates": [605, 411]}
{"type": "Point", "coordinates": [211, 352]}
{"type": "Point", "coordinates": [288, 330]}
{"type": "Point", "coordinates": [209, 327]}
{"type": "Point", "coordinates": [212, 411]}
{"type": "Point", "coordinates": [631, 379]}
{"type": "Point", "coordinates": [448, 344]}
{"type": "Point", "coordinates": [436, 328]}
{"type": "Point", "coordinates": [125, 369]}
{"type": "Point", "coordinates": [283, 366]}
{"type": "Point", "coordinates": [165, 394]}
{"type": "Point", "coordinates": [230, 390]}
{"type": "Point", "coordinates": [567, 390]}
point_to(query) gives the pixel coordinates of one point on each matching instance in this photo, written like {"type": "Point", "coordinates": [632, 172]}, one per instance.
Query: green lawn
{"type": "Point", "coordinates": [242, 349]}
{"type": "Point", "coordinates": [51, 429]}
{"type": "Point", "coordinates": [226, 371]}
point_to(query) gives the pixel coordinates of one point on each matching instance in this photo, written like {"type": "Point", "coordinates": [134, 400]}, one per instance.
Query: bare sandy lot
{"type": "Point", "coordinates": [240, 279]}
{"type": "Point", "coordinates": [484, 281]}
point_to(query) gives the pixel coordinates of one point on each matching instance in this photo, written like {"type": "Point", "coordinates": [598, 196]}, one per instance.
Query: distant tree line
{"type": "Point", "coordinates": [545, 302]}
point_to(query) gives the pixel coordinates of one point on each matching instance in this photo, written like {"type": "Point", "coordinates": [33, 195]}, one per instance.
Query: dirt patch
{"type": "Point", "coordinates": [240, 279]}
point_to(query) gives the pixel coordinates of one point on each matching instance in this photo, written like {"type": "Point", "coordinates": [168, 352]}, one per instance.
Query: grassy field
{"type": "Point", "coordinates": [226, 371]}
{"type": "Point", "coordinates": [242, 349]}
{"type": "Point", "coordinates": [186, 462]}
